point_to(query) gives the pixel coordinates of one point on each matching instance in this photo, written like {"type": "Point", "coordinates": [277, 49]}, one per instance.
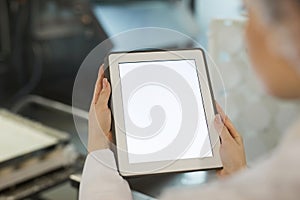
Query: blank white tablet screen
{"type": "Point", "coordinates": [153, 93]}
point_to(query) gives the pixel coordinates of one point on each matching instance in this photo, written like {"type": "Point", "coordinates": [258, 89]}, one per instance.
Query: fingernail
{"type": "Point", "coordinates": [101, 70]}
{"type": "Point", "coordinates": [218, 119]}
{"type": "Point", "coordinates": [104, 83]}
{"type": "Point", "coordinates": [218, 124]}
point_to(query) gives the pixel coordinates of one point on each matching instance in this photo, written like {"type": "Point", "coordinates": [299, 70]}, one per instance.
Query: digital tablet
{"type": "Point", "coordinates": [163, 111]}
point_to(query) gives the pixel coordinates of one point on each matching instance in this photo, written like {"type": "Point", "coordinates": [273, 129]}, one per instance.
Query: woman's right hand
{"type": "Point", "coordinates": [232, 149]}
{"type": "Point", "coordinates": [100, 135]}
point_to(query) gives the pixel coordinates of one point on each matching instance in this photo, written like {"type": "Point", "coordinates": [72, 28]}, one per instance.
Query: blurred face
{"type": "Point", "coordinates": [277, 74]}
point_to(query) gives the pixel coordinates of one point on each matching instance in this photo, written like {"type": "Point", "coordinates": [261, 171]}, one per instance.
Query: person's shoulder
{"type": "Point", "coordinates": [293, 132]}
{"type": "Point", "coordinates": [291, 138]}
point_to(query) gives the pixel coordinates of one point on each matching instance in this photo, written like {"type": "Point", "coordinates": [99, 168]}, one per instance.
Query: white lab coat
{"type": "Point", "coordinates": [277, 178]}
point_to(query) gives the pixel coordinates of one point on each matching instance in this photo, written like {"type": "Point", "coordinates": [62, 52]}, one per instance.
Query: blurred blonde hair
{"type": "Point", "coordinates": [282, 17]}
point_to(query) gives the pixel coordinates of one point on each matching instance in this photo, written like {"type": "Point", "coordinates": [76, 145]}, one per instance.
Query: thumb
{"type": "Point", "coordinates": [104, 94]}
{"type": "Point", "coordinates": [222, 129]}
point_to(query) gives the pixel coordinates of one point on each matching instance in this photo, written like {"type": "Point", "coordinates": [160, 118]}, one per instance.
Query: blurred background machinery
{"type": "Point", "coordinates": [43, 44]}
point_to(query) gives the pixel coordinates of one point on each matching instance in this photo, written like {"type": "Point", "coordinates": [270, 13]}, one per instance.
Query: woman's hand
{"type": "Point", "coordinates": [100, 135]}
{"type": "Point", "coordinates": [232, 147]}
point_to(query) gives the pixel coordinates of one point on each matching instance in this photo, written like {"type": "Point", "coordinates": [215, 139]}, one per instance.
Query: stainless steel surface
{"type": "Point", "coordinates": [35, 187]}
{"type": "Point", "coordinates": [20, 137]}
{"type": "Point", "coordinates": [29, 150]}
{"type": "Point", "coordinates": [175, 15]}
{"type": "Point", "coordinates": [33, 99]}
{"type": "Point", "coordinates": [55, 114]}
{"type": "Point", "coordinates": [43, 110]}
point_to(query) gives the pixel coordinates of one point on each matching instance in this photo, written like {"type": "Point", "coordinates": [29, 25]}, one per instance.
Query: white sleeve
{"type": "Point", "coordinates": [274, 179]}
{"type": "Point", "coordinates": [101, 180]}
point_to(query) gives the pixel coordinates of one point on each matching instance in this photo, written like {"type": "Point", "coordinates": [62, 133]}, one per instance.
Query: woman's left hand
{"type": "Point", "coordinates": [232, 149]}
